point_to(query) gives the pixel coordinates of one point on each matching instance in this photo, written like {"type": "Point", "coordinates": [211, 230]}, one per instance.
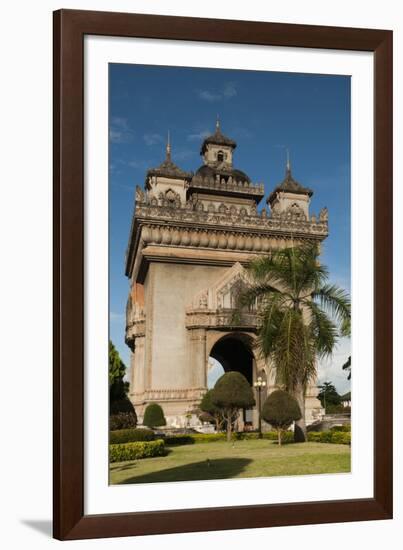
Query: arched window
{"type": "Point", "coordinates": [220, 156]}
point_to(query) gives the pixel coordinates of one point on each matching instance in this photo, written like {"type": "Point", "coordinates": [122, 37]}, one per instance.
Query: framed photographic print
{"type": "Point", "coordinates": [222, 274]}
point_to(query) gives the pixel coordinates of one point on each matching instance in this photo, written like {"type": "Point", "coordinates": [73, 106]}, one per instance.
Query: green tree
{"type": "Point", "coordinates": [328, 395]}
{"type": "Point", "coordinates": [118, 388]}
{"type": "Point", "coordinates": [280, 410]}
{"type": "Point", "coordinates": [300, 314]}
{"type": "Point", "coordinates": [231, 393]}
{"type": "Point", "coordinates": [154, 416]}
{"type": "Point", "coordinates": [207, 406]}
{"type": "Point", "coordinates": [120, 406]}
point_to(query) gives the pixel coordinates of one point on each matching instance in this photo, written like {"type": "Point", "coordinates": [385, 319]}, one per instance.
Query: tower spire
{"type": "Point", "coordinates": [168, 148]}
{"type": "Point", "coordinates": [217, 123]}
{"type": "Point", "coordinates": [288, 165]}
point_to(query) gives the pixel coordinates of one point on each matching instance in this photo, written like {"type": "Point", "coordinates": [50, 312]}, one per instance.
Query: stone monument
{"type": "Point", "coordinates": [192, 235]}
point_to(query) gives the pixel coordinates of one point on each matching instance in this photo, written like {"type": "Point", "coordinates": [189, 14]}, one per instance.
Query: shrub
{"type": "Point", "coordinates": [280, 410]}
{"type": "Point", "coordinates": [330, 436]}
{"type": "Point", "coordinates": [286, 437]}
{"type": "Point", "coordinates": [129, 435]}
{"type": "Point", "coordinates": [123, 405]}
{"type": "Point", "coordinates": [189, 439]}
{"type": "Point", "coordinates": [314, 436]}
{"type": "Point", "coordinates": [342, 438]}
{"type": "Point", "coordinates": [136, 450]}
{"type": "Point", "coordinates": [122, 421]}
{"type": "Point", "coordinates": [180, 439]}
{"type": "Point", "coordinates": [245, 436]}
{"type": "Point", "coordinates": [154, 416]}
{"type": "Point", "coordinates": [231, 393]}
{"type": "Point", "coordinates": [343, 428]}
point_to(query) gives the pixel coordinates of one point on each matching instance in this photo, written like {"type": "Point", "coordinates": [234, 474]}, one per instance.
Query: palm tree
{"type": "Point", "coordinates": [300, 314]}
{"type": "Point", "coordinates": [347, 367]}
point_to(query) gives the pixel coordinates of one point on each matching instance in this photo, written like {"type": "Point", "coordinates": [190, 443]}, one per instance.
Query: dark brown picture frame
{"type": "Point", "coordinates": [70, 27]}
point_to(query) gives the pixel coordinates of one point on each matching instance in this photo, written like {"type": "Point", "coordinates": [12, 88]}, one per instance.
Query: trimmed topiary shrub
{"type": "Point", "coordinates": [131, 434]}
{"type": "Point", "coordinates": [210, 410]}
{"type": "Point", "coordinates": [122, 421]}
{"type": "Point", "coordinates": [280, 410]}
{"type": "Point", "coordinates": [231, 393]}
{"type": "Point", "coordinates": [154, 416]}
{"type": "Point", "coordinates": [136, 450]}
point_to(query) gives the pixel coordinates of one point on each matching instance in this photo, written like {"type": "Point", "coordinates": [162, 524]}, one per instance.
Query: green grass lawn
{"type": "Point", "coordinates": [222, 460]}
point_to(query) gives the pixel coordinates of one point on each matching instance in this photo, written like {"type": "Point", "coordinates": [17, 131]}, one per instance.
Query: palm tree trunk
{"type": "Point", "coordinates": [300, 433]}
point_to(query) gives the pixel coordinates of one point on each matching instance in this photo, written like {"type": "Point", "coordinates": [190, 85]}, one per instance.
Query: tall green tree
{"type": "Point", "coordinates": [301, 316]}
{"type": "Point", "coordinates": [118, 388]}
{"type": "Point", "coordinates": [328, 395]}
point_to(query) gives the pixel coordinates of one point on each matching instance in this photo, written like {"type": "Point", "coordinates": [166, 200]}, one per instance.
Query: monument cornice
{"type": "Point", "coordinates": [183, 227]}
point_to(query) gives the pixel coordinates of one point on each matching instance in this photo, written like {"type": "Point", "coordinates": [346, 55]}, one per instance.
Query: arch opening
{"type": "Point", "coordinates": [233, 353]}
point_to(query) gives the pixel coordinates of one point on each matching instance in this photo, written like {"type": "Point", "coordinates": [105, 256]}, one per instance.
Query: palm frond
{"type": "Point", "coordinates": [324, 331]}
{"type": "Point", "coordinates": [336, 301]}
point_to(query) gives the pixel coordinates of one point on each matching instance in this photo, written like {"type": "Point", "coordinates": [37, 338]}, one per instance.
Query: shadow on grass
{"type": "Point", "coordinates": [221, 468]}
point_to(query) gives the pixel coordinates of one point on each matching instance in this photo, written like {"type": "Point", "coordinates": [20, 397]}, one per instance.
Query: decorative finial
{"type": "Point", "coordinates": [168, 147]}
{"type": "Point", "coordinates": [217, 123]}
{"type": "Point", "coordinates": [288, 166]}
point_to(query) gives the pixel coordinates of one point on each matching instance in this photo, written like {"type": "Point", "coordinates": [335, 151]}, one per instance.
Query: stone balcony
{"type": "Point", "coordinates": [223, 186]}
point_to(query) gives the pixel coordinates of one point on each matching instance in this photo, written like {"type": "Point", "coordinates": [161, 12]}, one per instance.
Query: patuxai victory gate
{"type": "Point", "coordinates": [191, 236]}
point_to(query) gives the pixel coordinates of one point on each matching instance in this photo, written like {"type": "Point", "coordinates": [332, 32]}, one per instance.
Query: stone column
{"type": "Point", "coordinates": [137, 365]}
{"type": "Point", "coordinates": [198, 359]}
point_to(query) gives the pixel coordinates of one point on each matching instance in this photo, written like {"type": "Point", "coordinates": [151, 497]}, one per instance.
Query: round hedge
{"type": "Point", "coordinates": [232, 390]}
{"type": "Point", "coordinates": [154, 416]}
{"type": "Point", "coordinates": [280, 409]}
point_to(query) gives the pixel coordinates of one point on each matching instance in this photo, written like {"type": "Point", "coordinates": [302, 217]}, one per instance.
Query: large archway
{"type": "Point", "coordinates": [233, 352]}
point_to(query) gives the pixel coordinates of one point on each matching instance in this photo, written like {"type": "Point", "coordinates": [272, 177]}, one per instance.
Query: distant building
{"type": "Point", "coordinates": [346, 400]}
{"type": "Point", "coordinates": [191, 236]}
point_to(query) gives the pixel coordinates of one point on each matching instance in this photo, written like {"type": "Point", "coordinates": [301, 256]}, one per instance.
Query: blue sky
{"type": "Point", "coordinates": [265, 112]}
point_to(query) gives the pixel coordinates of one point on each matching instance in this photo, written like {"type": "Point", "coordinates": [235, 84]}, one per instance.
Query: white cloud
{"type": "Point", "coordinates": [152, 138]}
{"type": "Point", "coordinates": [226, 92]}
{"type": "Point", "coordinates": [229, 90]}
{"type": "Point", "coordinates": [198, 136]}
{"type": "Point", "coordinates": [119, 130]}
{"type": "Point", "coordinates": [207, 95]}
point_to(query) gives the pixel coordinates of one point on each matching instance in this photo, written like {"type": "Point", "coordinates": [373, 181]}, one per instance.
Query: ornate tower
{"type": "Point", "coordinates": [191, 236]}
